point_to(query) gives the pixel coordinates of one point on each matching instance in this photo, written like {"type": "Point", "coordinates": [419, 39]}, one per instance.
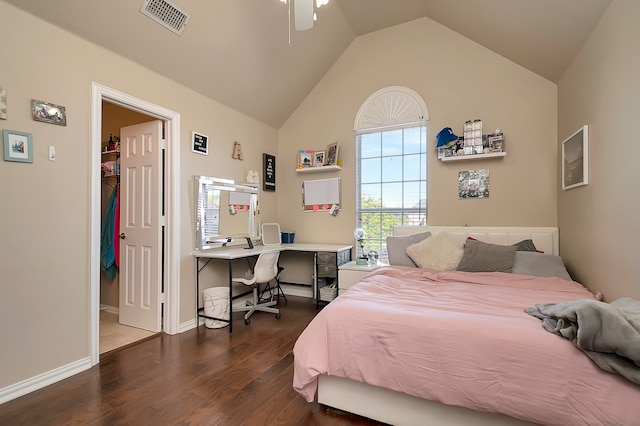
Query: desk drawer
{"type": "Point", "coordinates": [325, 257]}
{"type": "Point", "coordinates": [327, 271]}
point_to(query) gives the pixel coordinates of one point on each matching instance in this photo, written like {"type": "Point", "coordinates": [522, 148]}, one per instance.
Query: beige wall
{"type": "Point", "coordinates": [599, 223]}
{"type": "Point", "coordinates": [44, 234]}
{"type": "Point", "coordinates": [458, 80]}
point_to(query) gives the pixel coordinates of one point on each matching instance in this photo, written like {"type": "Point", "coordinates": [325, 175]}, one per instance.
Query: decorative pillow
{"type": "Point", "coordinates": [485, 257]}
{"type": "Point", "coordinates": [440, 251]}
{"type": "Point", "coordinates": [540, 265]}
{"type": "Point", "coordinates": [397, 246]}
{"type": "Point", "coordinates": [526, 245]}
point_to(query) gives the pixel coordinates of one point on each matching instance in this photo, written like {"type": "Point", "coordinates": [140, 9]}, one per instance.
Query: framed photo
{"type": "Point", "coordinates": [17, 146]}
{"type": "Point", "coordinates": [199, 143]}
{"type": "Point", "coordinates": [332, 155]}
{"type": "Point", "coordinates": [305, 158]}
{"type": "Point", "coordinates": [3, 102]}
{"type": "Point", "coordinates": [473, 184]}
{"type": "Point", "coordinates": [48, 113]}
{"type": "Point", "coordinates": [575, 159]}
{"type": "Point", "coordinates": [318, 159]}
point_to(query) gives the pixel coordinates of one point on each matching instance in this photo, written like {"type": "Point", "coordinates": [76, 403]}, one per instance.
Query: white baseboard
{"type": "Point", "coordinates": [297, 290]}
{"type": "Point", "coordinates": [188, 325]}
{"type": "Point", "coordinates": [110, 309]}
{"type": "Point", "coordinates": [42, 380]}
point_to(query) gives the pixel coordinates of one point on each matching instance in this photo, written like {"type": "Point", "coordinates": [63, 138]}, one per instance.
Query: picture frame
{"type": "Point", "coordinates": [332, 154]}
{"type": "Point", "coordinates": [199, 143]}
{"type": "Point", "coordinates": [318, 158]}
{"type": "Point", "coordinates": [269, 172]}
{"type": "Point", "coordinates": [473, 184]}
{"type": "Point", "coordinates": [575, 159]}
{"type": "Point", "coordinates": [48, 113]}
{"type": "Point", "coordinates": [3, 102]}
{"type": "Point", "coordinates": [18, 146]}
{"type": "Point", "coordinates": [305, 158]}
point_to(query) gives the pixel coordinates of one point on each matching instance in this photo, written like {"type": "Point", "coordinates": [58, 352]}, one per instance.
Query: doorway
{"type": "Point", "coordinates": [170, 256]}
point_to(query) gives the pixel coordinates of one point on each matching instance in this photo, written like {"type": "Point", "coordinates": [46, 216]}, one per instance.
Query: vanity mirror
{"type": "Point", "coordinates": [226, 213]}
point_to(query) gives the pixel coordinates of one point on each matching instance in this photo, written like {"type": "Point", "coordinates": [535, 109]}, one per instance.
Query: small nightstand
{"type": "Point", "coordinates": [350, 273]}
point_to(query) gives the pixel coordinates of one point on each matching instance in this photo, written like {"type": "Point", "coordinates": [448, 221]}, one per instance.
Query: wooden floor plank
{"type": "Point", "coordinates": [200, 377]}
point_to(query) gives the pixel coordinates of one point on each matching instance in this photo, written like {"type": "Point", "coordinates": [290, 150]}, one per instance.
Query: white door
{"type": "Point", "coordinates": [140, 225]}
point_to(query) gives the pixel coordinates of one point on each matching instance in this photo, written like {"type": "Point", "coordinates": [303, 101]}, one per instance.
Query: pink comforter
{"type": "Point", "coordinates": [463, 339]}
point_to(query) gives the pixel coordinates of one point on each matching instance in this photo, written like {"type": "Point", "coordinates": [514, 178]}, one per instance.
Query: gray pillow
{"type": "Point", "coordinates": [397, 246]}
{"type": "Point", "coordinates": [526, 245]}
{"type": "Point", "coordinates": [485, 257]}
{"type": "Point", "coordinates": [540, 265]}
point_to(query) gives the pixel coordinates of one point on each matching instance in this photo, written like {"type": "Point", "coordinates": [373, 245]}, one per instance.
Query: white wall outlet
{"type": "Point", "coordinates": [52, 153]}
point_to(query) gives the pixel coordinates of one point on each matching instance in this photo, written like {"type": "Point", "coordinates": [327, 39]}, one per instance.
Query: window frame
{"type": "Point", "coordinates": [377, 241]}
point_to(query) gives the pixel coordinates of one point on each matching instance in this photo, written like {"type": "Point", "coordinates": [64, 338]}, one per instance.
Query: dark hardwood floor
{"type": "Point", "coordinates": [200, 377]}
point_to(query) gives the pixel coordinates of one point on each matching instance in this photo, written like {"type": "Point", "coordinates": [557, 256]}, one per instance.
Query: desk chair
{"type": "Point", "coordinates": [271, 236]}
{"type": "Point", "coordinates": [265, 270]}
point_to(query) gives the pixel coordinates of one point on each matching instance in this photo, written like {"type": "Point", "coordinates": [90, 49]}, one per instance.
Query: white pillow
{"type": "Point", "coordinates": [441, 251]}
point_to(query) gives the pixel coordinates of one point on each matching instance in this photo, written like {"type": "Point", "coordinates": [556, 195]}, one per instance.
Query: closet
{"type": "Point", "coordinates": [113, 334]}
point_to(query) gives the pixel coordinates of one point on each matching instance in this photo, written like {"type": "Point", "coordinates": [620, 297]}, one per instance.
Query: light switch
{"type": "Point", "coordinates": [52, 153]}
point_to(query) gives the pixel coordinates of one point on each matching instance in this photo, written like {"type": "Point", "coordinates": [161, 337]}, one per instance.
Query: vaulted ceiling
{"type": "Point", "coordinates": [237, 52]}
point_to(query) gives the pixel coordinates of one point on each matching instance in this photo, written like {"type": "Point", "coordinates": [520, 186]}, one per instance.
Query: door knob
{"type": "Point", "coordinates": [123, 236]}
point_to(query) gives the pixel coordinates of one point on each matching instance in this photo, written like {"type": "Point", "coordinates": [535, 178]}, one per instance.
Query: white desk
{"type": "Point", "coordinates": [342, 254]}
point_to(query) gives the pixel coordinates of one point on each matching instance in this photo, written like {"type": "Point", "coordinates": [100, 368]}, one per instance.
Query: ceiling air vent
{"type": "Point", "coordinates": [166, 14]}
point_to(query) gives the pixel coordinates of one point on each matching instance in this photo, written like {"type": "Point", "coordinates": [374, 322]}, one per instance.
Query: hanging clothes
{"type": "Point", "coordinates": [116, 230]}
{"type": "Point", "coordinates": [107, 257]}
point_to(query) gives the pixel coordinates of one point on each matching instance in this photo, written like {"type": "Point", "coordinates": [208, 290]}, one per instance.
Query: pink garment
{"type": "Point", "coordinates": [116, 230]}
{"type": "Point", "coordinates": [463, 339]}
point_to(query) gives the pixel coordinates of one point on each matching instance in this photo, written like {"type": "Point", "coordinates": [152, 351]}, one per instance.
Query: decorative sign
{"type": "Point", "coordinates": [269, 162]}
{"type": "Point", "coordinates": [200, 143]}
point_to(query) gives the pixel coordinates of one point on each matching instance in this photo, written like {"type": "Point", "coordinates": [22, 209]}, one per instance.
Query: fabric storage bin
{"type": "Point", "coordinates": [327, 270]}
{"type": "Point", "coordinates": [326, 257]}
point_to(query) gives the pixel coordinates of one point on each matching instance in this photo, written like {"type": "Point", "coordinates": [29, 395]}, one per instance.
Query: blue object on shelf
{"type": "Point", "coordinates": [287, 237]}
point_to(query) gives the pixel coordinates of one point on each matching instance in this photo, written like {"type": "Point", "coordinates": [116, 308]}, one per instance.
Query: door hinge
{"type": "Point", "coordinates": [163, 144]}
{"type": "Point", "coordinates": [163, 298]}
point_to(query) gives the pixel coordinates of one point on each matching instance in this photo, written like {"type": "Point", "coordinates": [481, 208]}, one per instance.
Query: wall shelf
{"type": "Point", "coordinates": [474, 156]}
{"type": "Point", "coordinates": [318, 169]}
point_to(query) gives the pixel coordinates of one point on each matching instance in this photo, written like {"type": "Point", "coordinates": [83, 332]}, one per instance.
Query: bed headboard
{"type": "Point", "coordinates": [545, 238]}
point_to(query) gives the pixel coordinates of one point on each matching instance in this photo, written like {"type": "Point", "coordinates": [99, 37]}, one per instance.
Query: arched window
{"type": "Point", "coordinates": [391, 164]}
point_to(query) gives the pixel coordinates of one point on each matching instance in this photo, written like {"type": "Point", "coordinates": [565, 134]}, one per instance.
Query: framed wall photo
{"type": "Point", "coordinates": [3, 102]}
{"type": "Point", "coordinates": [199, 143]}
{"type": "Point", "coordinates": [575, 159]}
{"type": "Point", "coordinates": [17, 146]}
{"type": "Point", "coordinates": [48, 113]}
{"type": "Point", "coordinates": [332, 155]}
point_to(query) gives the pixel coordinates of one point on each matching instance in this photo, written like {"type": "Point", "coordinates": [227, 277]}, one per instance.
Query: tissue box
{"type": "Point", "coordinates": [287, 237]}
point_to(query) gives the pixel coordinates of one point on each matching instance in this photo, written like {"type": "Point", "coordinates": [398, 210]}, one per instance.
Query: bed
{"type": "Point", "coordinates": [456, 347]}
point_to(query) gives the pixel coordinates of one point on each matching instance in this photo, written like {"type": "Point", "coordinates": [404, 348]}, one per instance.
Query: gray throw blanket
{"type": "Point", "coordinates": [609, 333]}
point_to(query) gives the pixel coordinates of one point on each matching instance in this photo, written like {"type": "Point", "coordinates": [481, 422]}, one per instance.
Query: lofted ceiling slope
{"type": "Point", "coordinates": [237, 52]}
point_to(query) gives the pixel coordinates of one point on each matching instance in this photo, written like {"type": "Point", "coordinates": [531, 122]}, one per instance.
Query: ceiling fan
{"type": "Point", "coordinates": [304, 14]}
